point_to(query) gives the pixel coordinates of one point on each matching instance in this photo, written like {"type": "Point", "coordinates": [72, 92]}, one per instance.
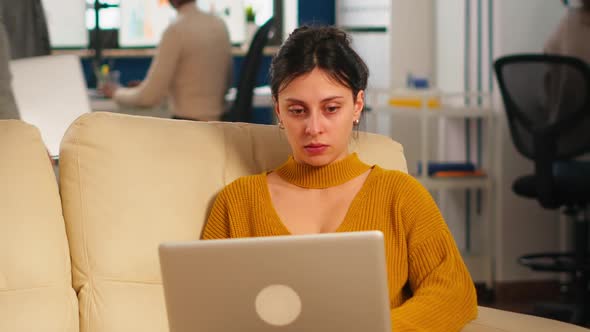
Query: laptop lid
{"type": "Point", "coordinates": [50, 92]}
{"type": "Point", "coordinates": [321, 282]}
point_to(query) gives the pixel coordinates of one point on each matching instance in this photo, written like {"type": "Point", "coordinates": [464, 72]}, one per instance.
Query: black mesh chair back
{"type": "Point", "coordinates": [241, 109]}
{"type": "Point", "coordinates": [546, 95]}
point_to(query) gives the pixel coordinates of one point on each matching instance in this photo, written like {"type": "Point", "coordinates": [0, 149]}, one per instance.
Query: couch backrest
{"type": "Point", "coordinates": [36, 293]}
{"type": "Point", "coordinates": [129, 183]}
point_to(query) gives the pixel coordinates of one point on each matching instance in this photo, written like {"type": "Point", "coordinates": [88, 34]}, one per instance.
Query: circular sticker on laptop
{"type": "Point", "coordinates": [278, 305]}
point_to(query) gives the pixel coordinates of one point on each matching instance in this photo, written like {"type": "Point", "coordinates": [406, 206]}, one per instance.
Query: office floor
{"type": "Point", "coordinates": [523, 297]}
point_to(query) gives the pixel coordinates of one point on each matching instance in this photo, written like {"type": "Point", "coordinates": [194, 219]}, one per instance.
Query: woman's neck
{"type": "Point", "coordinates": [313, 177]}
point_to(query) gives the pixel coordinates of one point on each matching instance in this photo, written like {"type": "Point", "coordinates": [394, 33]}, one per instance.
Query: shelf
{"type": "Point", "coordinates": [452, 105]}
{"type": "Point", "coordinates": [455, 183]}
{"type": "Point", "coordinates": [444, 111]}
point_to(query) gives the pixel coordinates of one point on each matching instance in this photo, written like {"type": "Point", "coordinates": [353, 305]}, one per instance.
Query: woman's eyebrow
{"type": "Point", "coordinates": [332, 98]}
{"type": "Point", "coordinates": [295, 100]}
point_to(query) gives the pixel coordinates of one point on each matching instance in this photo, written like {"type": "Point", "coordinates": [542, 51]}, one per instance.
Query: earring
{"type": "Point", "coordinates": [356, 122]}
{"type": "Point", "coordinates": [281, 126]}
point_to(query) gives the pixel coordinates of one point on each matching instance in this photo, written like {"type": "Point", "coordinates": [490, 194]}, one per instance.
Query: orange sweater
{"type": "Point", "coordinates": [420, 250]}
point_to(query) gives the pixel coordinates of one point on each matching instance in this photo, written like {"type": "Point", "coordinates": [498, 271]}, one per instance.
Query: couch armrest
{"type": "Point", "coordinates": [493, 320]}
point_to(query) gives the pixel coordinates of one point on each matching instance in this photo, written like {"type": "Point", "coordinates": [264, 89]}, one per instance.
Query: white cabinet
{"type": "Point", "coordinates": [475, 232]}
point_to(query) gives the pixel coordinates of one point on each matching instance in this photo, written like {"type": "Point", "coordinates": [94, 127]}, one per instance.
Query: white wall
{"type": "Point", "coordinates": [450, 45]}
{"type": "Point", "coordinates": [524, 25]}
{"type": "Point", "coordinates": [412, 39]}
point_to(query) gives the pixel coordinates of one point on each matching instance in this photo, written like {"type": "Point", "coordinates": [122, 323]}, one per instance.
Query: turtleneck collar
{"type": "Point", "coordinates": [312, 177]}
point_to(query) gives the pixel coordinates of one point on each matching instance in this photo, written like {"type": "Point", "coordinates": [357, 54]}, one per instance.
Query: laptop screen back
{"type": "Point", "coordinates": [324, 282]}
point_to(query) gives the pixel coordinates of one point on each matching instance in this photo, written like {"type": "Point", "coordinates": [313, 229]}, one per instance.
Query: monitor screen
{"type": "Point", "coordinates": [144, 21]}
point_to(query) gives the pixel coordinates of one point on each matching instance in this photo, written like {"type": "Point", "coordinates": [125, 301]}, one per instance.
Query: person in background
{"type": "Point", "coordinates": [8, 109]}
{"type": "Point", "coordinates": [26, 27]}
{"type": "Point", "coordinates": [572, 37]}
{"type": "Point", "coordinates": [317, 84]}
{"type": "Point", "coordinates": [192, 64]}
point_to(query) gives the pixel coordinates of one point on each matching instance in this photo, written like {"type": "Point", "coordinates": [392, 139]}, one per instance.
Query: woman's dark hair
{"type": "Point", "coordinates": [178, 3]}
{"type": "Point", "coordinates": [327, 48]}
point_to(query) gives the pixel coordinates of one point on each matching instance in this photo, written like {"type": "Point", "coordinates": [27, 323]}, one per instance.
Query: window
{"type": "Point", "coordinates": [110, 17]}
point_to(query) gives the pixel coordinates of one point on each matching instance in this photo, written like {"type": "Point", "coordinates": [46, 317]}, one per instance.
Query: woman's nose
{"type": "Point", "coordinates": [314, 124]}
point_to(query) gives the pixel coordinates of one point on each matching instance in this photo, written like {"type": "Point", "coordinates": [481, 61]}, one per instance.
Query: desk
{"type": "Point", "coordinates": [147, 52]}
{"type": "Point", "coordinates": [262, 98]}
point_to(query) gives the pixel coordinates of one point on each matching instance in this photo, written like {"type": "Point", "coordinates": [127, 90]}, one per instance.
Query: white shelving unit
{"type": "Point", "coordinates": [481, 262]}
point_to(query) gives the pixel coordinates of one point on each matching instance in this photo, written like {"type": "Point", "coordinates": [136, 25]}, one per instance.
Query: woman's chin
{"type": "Point", "coordinates": [316, 160]}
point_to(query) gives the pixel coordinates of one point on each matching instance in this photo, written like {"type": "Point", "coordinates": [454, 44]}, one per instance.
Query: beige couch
{"type": "Point", "coordinates": [88, 261]}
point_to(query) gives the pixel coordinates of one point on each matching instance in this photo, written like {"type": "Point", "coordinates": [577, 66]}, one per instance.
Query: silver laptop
{"type": "Point", "coordinates": [323, 282]}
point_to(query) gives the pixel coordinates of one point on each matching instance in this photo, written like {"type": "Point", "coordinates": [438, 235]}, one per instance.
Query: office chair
{"type": "Point", "coordinates": [241, 109]}
{"type": "Point", "coordinates": [547, 102]}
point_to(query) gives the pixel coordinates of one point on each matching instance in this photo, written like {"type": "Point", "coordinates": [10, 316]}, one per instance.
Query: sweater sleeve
{"type": "Point", "coordinates": [217, 226]}
{"type": "Point", "coordinates": [157, 83]}
{"type": "Point", "coordinates": [444, 296]}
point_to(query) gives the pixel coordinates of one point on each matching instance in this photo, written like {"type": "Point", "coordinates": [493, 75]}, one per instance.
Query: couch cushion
{"type": "Point", "coordinates": [129, 183]}
{"type": "Point", "coordinates": [35, 275]}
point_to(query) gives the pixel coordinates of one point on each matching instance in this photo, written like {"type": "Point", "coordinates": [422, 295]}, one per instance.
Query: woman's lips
{"type": "Point", "coordinates": [315, 149]}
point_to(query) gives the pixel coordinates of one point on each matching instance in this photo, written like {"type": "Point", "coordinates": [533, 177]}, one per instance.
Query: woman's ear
{"type": "Point", "coordinates": [275, 105]}
{"type": "Point", "coordinates": [359, 104]}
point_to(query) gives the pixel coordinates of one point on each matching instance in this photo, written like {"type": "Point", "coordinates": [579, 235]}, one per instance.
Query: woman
{"type": "Point", "coordinates": [318, 84]}
{"type": "Point", "coordinates": [193, 65]}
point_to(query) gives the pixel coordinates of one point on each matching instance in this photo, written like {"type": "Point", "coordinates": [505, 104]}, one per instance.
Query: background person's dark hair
{"type": "Point", "coordinates": [327, 48]}
{"type": "Point", "coordinates": [178, 3]}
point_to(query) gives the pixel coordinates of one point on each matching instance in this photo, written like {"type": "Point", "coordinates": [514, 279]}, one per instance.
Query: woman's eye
{"type": "Point", "coordinates": [296, 111]}
{"type": "Point", "coordinates": [332, 108]}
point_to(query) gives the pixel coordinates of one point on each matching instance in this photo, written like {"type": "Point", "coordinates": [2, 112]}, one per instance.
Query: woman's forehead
{"type": "Point", "coordinates": [315, 82]}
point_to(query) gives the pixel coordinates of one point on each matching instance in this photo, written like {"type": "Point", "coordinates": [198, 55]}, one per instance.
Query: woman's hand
{"type": "Point", "coordinates": [133, 83]}
{"type": "Point", "coordinates": [108, 89]}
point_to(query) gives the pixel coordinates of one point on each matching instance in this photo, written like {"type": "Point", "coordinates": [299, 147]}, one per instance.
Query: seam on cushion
{"type": "Point", "coordinates": [66, 246]}
{"type": "Point", "coordinates": [83, 229]}
{"type": "Point", "coordinates": [74, 304]}
{"type": "Point", "coordinates": [143, 282]}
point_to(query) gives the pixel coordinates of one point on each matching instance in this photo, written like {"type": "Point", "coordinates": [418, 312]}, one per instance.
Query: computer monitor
{"type": "Point", "coordinates": [144, 21]}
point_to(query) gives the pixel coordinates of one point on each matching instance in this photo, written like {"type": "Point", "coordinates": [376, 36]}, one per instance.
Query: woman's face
{"type": "Point", "coordinates": [318, 114]}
